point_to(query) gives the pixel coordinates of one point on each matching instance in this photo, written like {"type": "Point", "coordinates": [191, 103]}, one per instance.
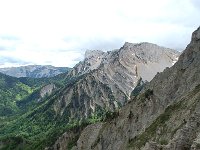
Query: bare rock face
{"type": "Point", "coordinates": [196, 36]}
{"type": "Point", "coordinates": [88, 139]}
{"type": "Point", "coordinates": [47, 90]}
{"type": "Point", "coordinates": [106, 80]}
{"type": "Point", "coordinates": [148, 58]}
{"type": "Point", "coordinates": [123, 67]}
{"type": "Point", "coordinates": [165, 115]}
{"type": "Point", "coordinates": [93, 59]}
{"type": "Point", "coordinates": [63, 141]}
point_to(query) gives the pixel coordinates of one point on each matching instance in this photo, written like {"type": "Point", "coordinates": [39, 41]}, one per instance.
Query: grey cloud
{"type": "Point", "coordinates": [2, 48]}
{"type": "Point", "coordinates": [7, 48]}
{"type": "Point", "coordinates": [101, 44]}
{"type": "Point", "coordinates": [12, 40]}
{"type": "Point", "coordinates": [11, 60]}
{"type": "Point", "coordinates": [77, 59]}
{"type": "Point", "coordinates": [196, 4]}
{"type": "Point", "coordinates": [9, 37]}
{"type": "Point", "coordinates": [47, 62]}
{"type": "Point", "coordinates": [71, 38]}
{"type": "Point", "coordinates": [95, 43]}
{"type": "Point", "coordinates": [169, 42]}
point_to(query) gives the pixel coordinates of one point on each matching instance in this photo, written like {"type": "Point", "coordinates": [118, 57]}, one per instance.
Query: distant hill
{"type": "Point", "coordinates": [34, 71]}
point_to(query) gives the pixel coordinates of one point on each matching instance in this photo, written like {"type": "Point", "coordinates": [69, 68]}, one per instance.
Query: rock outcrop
{"type": "Point", "coordinates": [109, 83]}
{"type": "Point", "coordinates": [106, 79]}
{"type": "Point", "coordinates": [165, 115]}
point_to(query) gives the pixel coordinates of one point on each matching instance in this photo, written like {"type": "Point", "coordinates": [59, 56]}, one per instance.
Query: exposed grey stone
{"type": "Point", "coordinates": [120, 70]}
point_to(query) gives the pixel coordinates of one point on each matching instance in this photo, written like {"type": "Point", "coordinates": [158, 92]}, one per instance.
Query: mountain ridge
{"type": "Point", "coordinates": [92, 91]}
{"type": "Point", "coordinates": [34, 71]}
{"type": "Point", "coordinates": [164, 115]}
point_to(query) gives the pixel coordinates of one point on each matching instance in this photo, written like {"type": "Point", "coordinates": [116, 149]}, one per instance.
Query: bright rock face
{"type": "Point", "coordinates": [124, 67]}
{"type": "Point", "coordinates": [107, 80]}
{"type": "Point", "coordinates": [165, 115]}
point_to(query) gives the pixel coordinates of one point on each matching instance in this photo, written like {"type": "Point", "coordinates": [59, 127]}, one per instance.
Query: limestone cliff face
{"type": "Point", "coordinates": [46, 91]}
{"type": "Point", "coordinates": [106, 79]}
{"type": "Point", "coordinates": [108, 82]}
{"type": "Point", "coordinates": [165, 115]}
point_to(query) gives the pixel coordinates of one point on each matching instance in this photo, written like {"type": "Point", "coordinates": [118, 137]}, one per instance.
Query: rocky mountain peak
{"type": "Point", "coordinates": [148, 52]}
{"type": "Point", "coordinates": [93, 59]}
{"type": "Point", "coordinates": [164, 115]}
{"type": "Point", "coordinates": [93, 54]}
{"type": "Point", "coordinates": [147, 58]}
{"type": "Point", "coordinates": [114, 74]}
{"type": "Point", "coordinates": [128, 44]}
{"type": "Point", "coordinates": [131, 56]}
{"type": "Point", "coordinates": [196, 35]}
{"type": "Point", "coordinates": [192, 51]}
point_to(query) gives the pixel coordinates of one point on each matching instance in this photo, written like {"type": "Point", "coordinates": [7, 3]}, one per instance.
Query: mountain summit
{"type": "Point", "coordinates": [164, 115]}
{"type": "Point", "coordinates": [125, 66]}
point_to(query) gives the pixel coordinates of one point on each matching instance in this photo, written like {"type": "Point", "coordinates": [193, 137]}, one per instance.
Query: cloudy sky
{"type": "Point", "coordinates": [57, 32]}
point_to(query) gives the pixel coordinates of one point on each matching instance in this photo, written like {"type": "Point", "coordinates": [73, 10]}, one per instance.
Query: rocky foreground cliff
{"type": "Point", "coordinates": [165, 115]}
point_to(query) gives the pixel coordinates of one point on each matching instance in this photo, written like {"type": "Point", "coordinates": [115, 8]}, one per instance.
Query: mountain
{"type": "Point", "coordinates": [18, 92]}
{"type": "Point", "coordinates": [104, 80]}
{"type": "Point", "coordinates": [164, 115]}
{"type": "Point", "coordinates": [34, 71]}
{"type": "Point", "coordinates": [93, 90]}
{"type": "Point", "coordinates": [124, 67]}
{"type": "Point", "coordinates": [11, 91]}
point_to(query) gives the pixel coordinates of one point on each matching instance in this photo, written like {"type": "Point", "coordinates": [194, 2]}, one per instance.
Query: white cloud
{"type": "Point", "coordinates": [58, 32]}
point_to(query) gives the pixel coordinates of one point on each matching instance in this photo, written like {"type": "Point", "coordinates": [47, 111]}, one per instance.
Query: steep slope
{"type": "Point", "coordinates": [34, 71]}
{"type": "Point", "coordinates": [18, 92]}
{"type": "Point", "coordinates": [106, 79]}
{"type": "Point", "coordinates": [124, 67]}
{"type": "Point", "coordinates": [93, 89]}
{"type": "Point", "coordinates": [19, 97]}
{"type": "Point", "coordinates": [165, 115]}
{"type": "Point", "coordinates": [11, 91]}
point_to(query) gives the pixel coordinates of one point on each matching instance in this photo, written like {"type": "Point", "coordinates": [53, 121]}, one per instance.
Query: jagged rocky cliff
{"type": "Point", "coordinates": [165, 115]}
{"type": "Point", "coordinates": [93, 90]}
{"type": "Point", "coordinates": [106, 79]}
{"type": "Point", "coordinates": [34, 71]}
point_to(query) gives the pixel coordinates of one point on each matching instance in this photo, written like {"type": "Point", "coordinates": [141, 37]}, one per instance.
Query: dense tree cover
{"type": "Point", "coordinates": [18, 105]}
{"type": "Point", "coordinates": [12, 91]}
{"type": "Point", "coordinates": [18, 91]}
{"type": "Point", "coordinates": [37, 123]}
